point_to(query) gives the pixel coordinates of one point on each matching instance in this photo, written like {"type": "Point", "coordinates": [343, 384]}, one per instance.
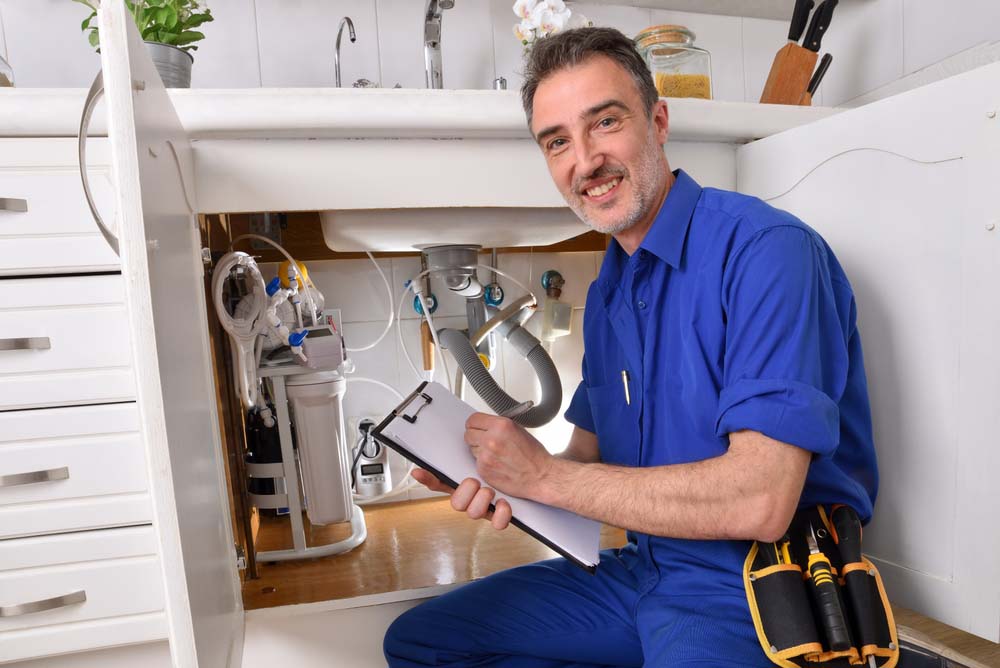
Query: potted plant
{"type": "Point", "coordinates": [168, 28]}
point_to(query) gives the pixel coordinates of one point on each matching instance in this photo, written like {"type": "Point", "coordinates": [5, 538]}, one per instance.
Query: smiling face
{"type": "Point", "coordinates": [604, 152]}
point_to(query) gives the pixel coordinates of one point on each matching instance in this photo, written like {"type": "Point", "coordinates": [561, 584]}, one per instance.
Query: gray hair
{"type": "Point", "coordinates": [573, 47]}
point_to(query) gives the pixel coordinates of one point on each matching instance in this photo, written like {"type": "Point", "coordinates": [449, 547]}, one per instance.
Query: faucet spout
{"type": "Point", "coordinates": [336, 52]}
{"type": "Point", "coordinates": [432, 41]}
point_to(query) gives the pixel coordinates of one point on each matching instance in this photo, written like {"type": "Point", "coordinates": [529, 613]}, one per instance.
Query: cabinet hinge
{"type": "Point", "coordinates": [241, 558]}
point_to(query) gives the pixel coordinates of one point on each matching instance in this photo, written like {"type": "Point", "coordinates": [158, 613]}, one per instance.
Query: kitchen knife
{"type": "Point", "coordinates": [819, 24]}
{"type": "Point", "coordinates": [817, 77]}
{"type": "Point", "coordinates": [800, 15]}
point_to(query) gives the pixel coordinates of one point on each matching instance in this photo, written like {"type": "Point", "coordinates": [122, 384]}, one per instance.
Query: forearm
{"type": "Point", "coordinates": [727, 497]}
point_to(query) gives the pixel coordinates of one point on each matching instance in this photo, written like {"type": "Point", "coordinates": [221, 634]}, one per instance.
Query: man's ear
{"type": "Point", "coordinates": [661, 121]}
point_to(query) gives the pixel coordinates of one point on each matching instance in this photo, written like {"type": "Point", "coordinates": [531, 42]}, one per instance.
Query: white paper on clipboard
{"type": "Point", "coordinates": [429, 428]}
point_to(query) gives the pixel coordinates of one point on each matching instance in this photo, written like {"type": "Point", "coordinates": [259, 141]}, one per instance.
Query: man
{"type": "Point", "coordinates": [723, 388]}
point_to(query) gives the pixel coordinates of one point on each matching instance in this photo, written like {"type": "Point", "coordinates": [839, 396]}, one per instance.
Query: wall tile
{"type": "Point", "coordinates": [297, 40]}
{"type": "Point", "coordinates": [401, 43]}
{"type": "Point", "coordinates": [45, 45]}
{"type": "Point", "coordinates": [355, 287]}
{"type": "Point", "coordinates": [933, 31]}
{"type": "Point", "coordinates": [866, 40]}
{"type": "Point", "coordinates": [508, 53]}
{"type": "Point", "coordinates": [630, 20]}
{"type": "Point", "coordinates": [722, 36]}
{"type": "Point", "coordinates": [466, 46]}
{"type": "Point", "coordinates": [762, 38]}
{"type": "Point", "coordinates": [3, 38]}
{"type": "Point", "coordinates": [229, 56]}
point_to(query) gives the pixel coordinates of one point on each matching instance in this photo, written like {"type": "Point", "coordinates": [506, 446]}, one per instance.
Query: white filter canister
{"type": "Point", "coordinates": [317, 401]}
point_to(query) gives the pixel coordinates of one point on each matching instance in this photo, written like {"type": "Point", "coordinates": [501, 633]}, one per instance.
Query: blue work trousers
{"type": "Point", "coordinates": [553, 614]}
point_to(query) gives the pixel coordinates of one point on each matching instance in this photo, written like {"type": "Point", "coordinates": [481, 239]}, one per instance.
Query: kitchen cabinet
{"type": "Point", "coordinates": [901, 189]}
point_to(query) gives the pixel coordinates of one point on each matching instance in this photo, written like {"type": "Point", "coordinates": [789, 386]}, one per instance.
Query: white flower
{"type": "Point", "coordinates": [578, 21]}
{"type": "Point", "coordinates": [525, 32]}
{"type": "Point", "coordinates": [548, 21]}
{"type": "Point", "coordinates": [556, 5]}
{"type": "Point", "coordinates": [523, 8]}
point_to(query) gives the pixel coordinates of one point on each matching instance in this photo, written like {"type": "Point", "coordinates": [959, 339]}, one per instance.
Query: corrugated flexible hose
{"type": "Point", "coordinates": [486, 387]}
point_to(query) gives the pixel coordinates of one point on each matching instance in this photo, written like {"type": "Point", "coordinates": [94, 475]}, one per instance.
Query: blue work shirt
{"type": "Point", "coordinates": [730, 315]}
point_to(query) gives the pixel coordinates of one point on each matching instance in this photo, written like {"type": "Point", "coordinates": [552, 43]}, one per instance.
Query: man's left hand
{"type": "Point", "coordinates": [508, 458]}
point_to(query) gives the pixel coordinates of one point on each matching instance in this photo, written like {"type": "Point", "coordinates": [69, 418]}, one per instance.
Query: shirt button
{"type": "Point", "coordinates": [642, 304]}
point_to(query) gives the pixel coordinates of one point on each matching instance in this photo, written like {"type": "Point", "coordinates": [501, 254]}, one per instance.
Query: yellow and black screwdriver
{"type": "Point", "coordinates": [827, 597]}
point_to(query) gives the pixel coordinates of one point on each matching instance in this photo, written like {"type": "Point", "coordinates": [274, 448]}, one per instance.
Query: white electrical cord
{"type": "Point", "coordinates": [430, 323]}
{"type": "Point", "coordinates": [388, 325]}
{"type": "Point", "coordinates": [408, 482]}
{"type": "Point", "coordinates": [295, 266]}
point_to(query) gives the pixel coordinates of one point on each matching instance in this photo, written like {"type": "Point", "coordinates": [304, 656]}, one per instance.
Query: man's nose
{"type": "Point", "coordinates": [589, 158]}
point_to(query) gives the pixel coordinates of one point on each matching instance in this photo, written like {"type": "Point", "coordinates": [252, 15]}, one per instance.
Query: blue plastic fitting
{"type": "Point", "coordinates": [430, 299]}
{"type": "Point", "coordinates": [273, 286]}
{"type": "Point", "coordinates": [493, 294]}
{"type": "Point", "coordinates": [296, 338]}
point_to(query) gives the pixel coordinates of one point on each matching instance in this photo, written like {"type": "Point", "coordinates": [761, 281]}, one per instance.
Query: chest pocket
{"type": "Point", "coordinates": [617, 424]}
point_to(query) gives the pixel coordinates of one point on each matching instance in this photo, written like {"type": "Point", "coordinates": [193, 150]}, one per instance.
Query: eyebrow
{"type": "Point", "coordinates": [589, 113]}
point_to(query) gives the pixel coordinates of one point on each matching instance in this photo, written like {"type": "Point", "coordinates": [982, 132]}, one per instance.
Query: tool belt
{"type": "Point", "coordinates": [793, 593]}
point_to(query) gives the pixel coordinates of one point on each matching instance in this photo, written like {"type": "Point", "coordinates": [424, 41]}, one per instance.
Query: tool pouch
{"type": "Point", "coordinates": [785, 614]}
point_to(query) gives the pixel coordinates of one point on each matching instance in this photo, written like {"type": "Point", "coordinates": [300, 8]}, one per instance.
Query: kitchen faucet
{"type": "Point", "coordinates": [432, 41]}
{"type": "Point", "coordinates": [336, 53]}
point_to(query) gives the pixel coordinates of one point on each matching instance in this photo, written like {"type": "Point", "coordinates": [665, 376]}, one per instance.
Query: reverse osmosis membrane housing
{"type": "Point", "coordinates": [317, 402]}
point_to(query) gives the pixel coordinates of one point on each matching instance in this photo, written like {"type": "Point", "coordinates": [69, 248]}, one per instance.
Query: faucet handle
{"type": "Point", "coordinates": [365, 83]}
{"type": "Point", "coordinates": [500, 83]}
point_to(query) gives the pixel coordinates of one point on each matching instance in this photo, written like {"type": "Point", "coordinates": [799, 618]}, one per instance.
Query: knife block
{"type": "Point", "coordinates": [789, 77]}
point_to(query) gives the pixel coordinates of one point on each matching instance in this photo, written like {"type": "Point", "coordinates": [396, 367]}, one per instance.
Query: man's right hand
{"type": "Point", "coordinates": [470, 497]}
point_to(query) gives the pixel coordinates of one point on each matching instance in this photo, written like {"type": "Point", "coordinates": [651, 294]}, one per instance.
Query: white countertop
{"type": "Point", "coordinates": [287, 113]}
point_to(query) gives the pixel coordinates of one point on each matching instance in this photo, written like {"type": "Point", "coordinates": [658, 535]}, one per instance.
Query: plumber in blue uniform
{"type": "Point", "coordinates": [723, 388]}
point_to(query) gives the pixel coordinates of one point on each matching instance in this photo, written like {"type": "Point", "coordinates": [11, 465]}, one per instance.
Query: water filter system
{"type": "Point", "coordinates": [292, 369]}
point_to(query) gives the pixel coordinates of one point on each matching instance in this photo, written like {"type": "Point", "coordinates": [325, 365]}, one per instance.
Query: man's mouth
{"type": "Point", "coordinates": [602, 192]}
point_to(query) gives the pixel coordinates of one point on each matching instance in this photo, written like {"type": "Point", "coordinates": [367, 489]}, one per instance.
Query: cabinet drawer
{"type": "Point", "coordinates": [67, 469]}
{"type": "Point", "coordinates": [79, 591]}
{"type": "Point", "coordinates": [45, 224]}
{"type": "Point", "coordinates": [64, 341]}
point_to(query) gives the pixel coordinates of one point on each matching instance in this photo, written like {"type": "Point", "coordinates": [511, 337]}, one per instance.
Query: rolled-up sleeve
{"type": "Point", "coordinates": [579, 412]}
{"type": "Point", "coordinates": [786, 358]}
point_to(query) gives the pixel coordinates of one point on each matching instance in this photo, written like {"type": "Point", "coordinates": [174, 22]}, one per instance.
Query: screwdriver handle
{"type": "Point", "coordinates": [848, 528]}
{"type": "Point", "coordinates": [828, 602]}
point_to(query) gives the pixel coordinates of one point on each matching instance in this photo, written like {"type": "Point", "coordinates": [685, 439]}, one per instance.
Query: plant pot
{"type": "Point", "coordinates": [173, 64]}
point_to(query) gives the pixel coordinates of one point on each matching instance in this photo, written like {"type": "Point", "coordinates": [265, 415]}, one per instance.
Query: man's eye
{"type": "Point", "coordinates": [556, 144]}
{"type": "Point", "coordinates": [607, 122]}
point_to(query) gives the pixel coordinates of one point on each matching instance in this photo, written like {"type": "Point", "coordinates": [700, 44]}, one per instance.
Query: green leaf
{"type": "Point", "coordinates": [197, 20]}
{"type": "Point", "coordinates": [94, 39]}
{"type": "Point", "coordinates": [189, 36]}
{"type": "Point", "coordinates": [87, 3]}
{"type": "Point", "coordinates": [86, 21]}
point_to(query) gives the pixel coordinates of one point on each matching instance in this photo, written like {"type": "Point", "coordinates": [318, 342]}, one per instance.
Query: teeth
{"type": "Point", "coordinates": [600, 190]}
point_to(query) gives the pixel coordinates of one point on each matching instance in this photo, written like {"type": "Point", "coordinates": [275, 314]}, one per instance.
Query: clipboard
{"type": "Point", "coordinates": [428, 429]}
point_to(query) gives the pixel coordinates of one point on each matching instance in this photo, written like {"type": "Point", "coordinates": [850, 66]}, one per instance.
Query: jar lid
{"type": "Point", "coordinates": [664, 34]}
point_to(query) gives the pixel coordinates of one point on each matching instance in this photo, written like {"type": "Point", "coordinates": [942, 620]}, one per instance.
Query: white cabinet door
{"type": "Point", "coordinates": [905, 192]}
{"type": "Point", "coordinates": [161, 263]}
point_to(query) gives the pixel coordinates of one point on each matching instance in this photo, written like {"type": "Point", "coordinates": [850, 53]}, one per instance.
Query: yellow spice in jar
{"type": "Point", "coordinates": [683, 85]}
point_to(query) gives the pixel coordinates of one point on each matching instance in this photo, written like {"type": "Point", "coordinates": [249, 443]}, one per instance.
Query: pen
{"type": "Point", "coordinates": [628, 399]}
{"type": "Point", "coordinates": [519, 409]}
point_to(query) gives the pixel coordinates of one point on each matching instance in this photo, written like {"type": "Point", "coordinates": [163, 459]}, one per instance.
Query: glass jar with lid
{"type": "Point", "coordinates": [680, 69]}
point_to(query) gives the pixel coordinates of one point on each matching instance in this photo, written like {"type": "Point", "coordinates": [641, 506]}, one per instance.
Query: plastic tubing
{"type": "Point", "coordinates": [388, 325]}
{"type": "Point", "coordinates": [292, 263]}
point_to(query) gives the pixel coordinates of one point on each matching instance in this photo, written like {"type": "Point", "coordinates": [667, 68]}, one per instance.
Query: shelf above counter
{"type": "Point", "coordinates": [344, 113]}
{"type": "Point", "coordinates": [758, 9]}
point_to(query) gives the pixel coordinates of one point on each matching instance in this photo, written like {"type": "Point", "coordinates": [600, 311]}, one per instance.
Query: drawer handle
{"type": "Point", "coordinates": [13, 204]}
{"type": "Point", "coordinates": [44, 605]}
{"type": "Point", "coordinates": [29, 343]}
{"type": "Point", "coordinates": [95, 93]}
{"type": "Point", "coordinates": [30, 478]}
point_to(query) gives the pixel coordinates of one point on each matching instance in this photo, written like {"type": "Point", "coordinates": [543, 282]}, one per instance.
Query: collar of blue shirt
{"type": "Point", "coordinates": [666, 236]}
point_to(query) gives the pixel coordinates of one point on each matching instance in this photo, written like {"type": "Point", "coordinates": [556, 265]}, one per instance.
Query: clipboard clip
{"type": "Point", "coordinates": [401, 409]}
